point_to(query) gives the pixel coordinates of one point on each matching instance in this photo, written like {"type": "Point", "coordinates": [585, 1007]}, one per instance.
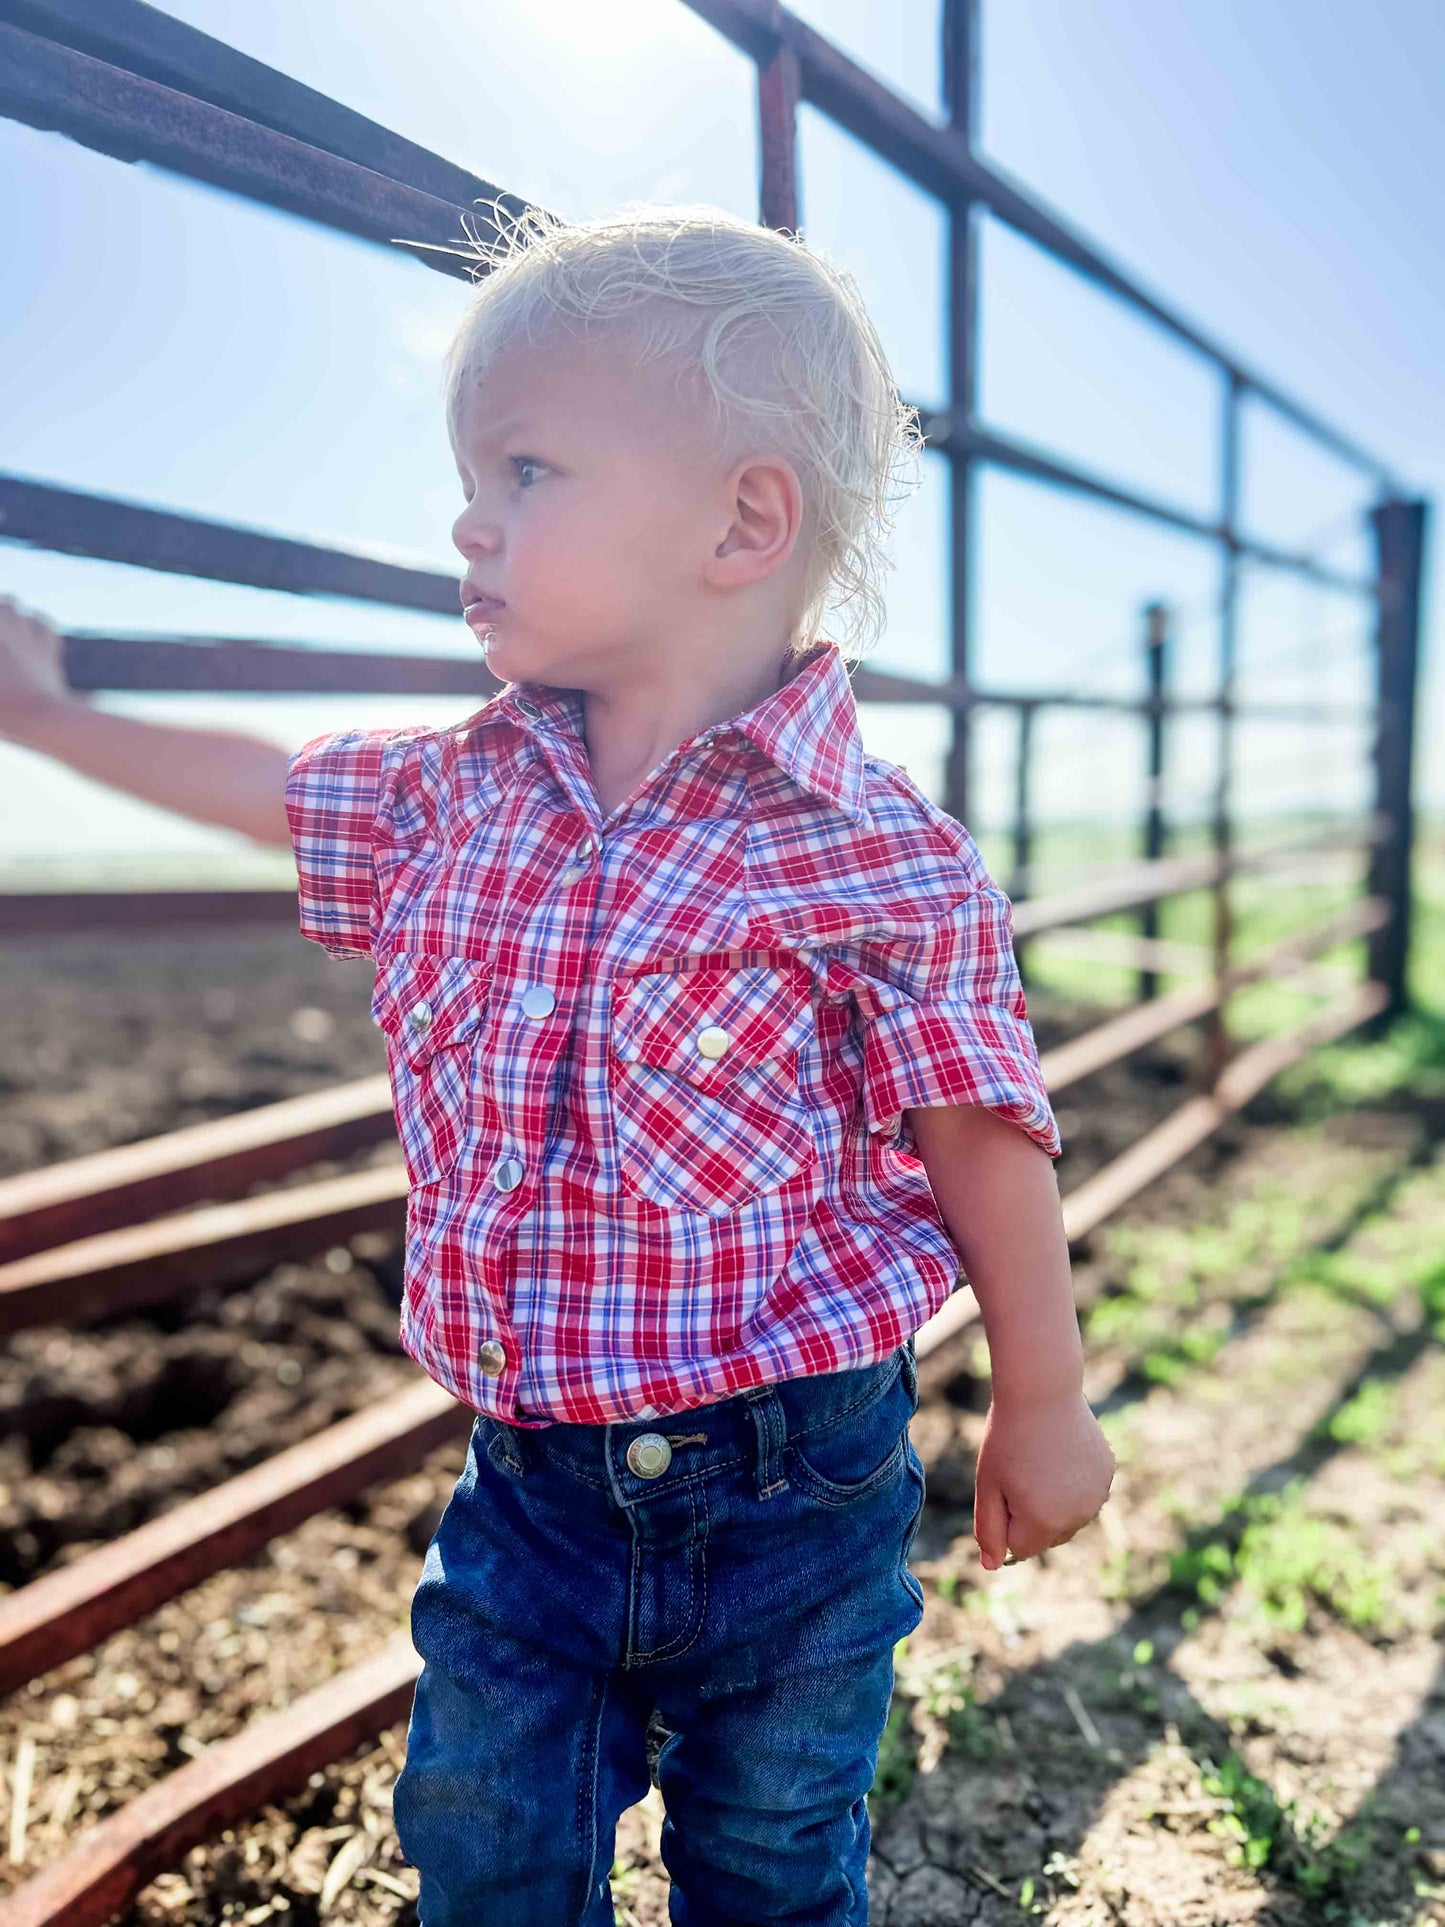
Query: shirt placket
{"type": "Point", "coordinates": [517, 1174]}
{"type": "Point", "coordinates": [526, 1100]}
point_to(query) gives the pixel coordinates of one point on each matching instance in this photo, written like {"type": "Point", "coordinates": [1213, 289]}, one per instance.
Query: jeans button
{"type": "Point", "coordinates": [649, 1455]}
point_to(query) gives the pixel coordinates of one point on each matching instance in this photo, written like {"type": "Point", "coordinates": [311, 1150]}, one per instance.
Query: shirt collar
{"type": "Point", "coordinates": [808, 728]}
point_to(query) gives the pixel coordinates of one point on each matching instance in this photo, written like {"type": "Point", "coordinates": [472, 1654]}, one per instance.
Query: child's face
{"type": "Point", "coordinates": [593, 501]}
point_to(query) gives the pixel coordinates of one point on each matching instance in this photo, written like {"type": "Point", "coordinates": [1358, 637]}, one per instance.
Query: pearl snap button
{"type": "Point", "coordinates": [712, 1042]}
{"type": "Point", "coordinates": [419, 1017]}
{"type": "Point", "coordinates": [650, 1455]}
{"type": "Point", "coordinates": [491, 1357]}
{"type": "Point", "coordinates": [538, 1001]}
{"type": "Point", "coordinates": [508, 1174]}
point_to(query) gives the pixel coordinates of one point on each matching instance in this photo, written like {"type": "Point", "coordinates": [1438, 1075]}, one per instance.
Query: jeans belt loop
{"type": "Point", "coordinates": [508, 1439]}
{"type": "Point", "coordinates": [768, 1417]}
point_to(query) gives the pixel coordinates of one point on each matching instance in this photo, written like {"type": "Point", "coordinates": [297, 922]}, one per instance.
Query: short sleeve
{"type": "Point", "coordinates": [945, 1022]}
{"type": "Point", "coordinates": [333, 792]}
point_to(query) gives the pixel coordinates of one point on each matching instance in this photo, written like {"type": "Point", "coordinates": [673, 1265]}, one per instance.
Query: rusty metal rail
{"type": "Point", "coordinates": [111, 1863]}
{"type": "Point", "coordinates": [220, 1244]}
{"type": "Point", "coordinates": [71, 1610]}
{"type": "Point", "coordinates": [202, 1163]}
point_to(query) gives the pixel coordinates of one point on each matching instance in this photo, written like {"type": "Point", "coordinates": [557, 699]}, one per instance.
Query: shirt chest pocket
{"type": "Point", "coordinates": [431, 1011]}
{"type": "Point", "coordinates": [704, 1080]}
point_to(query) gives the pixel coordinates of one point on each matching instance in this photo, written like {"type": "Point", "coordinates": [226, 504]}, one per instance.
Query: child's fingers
{"type": "Point", "coordinates": [990, 1521]}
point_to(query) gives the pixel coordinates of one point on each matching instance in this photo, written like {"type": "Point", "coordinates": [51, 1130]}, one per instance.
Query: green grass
{"type": "Point", "coordinates": [1267, 1835]}
{"type": "Point", "coordinates": [1286, 1561]}
{"type": "Point", "coordinates": [1367, 1418]}
{"type": "Point", "coordinates": [1410, 1055]}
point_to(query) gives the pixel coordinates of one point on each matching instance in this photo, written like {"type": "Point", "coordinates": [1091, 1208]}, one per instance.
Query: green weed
{"type": "Point", "coordinates": [1285, 1559]}
{"type": "Point", "coordinates": [1364, 1419]}
{"type": "Point", "coordinates": [1267, 1835]}
{"type": "Point", "coordinates": [1431, 1286]}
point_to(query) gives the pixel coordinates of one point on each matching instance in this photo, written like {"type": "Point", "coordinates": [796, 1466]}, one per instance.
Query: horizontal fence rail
{"type": "Point", "coordinates": [106, 529]}
{"type": "Point", "coordinates": [223, 665]}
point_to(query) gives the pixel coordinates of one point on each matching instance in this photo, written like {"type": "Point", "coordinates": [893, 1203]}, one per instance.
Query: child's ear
{"type": "Point", "coordinates": [764, 508]}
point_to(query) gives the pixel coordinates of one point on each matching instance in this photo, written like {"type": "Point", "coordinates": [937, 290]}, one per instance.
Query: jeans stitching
{"type": "Point", "coordinates": [675, 1650]}
{"type": "Point", "coordinates": [587, 1806]}
{"type": "Point", "coordinates": [830, 1493]}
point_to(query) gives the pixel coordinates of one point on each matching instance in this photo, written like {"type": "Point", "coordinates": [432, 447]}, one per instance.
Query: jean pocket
{"type": "Point", "coordinates": [859, 1450]}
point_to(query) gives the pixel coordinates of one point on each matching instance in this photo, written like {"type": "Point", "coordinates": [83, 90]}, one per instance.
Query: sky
{"type": "Point", "coordinates": [1269, 172]}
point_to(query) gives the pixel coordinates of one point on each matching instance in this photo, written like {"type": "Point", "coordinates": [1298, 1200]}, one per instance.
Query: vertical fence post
{"type": "Point", "coordinates": [779, 87]}
{"type": "Point", "coordinates": [1023, 825]}
{"type": "Point", "coordinates": [1216, 1030]}
{"type": "Point", "coordinates": [1399, 528]}
{"type": "Point", "coordinates": [961, 65]}
{"type": "Point", "coordinates": [1156, 639]}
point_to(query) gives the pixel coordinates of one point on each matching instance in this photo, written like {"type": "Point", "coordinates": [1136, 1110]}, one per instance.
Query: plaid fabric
{"type": "Point", "coordinates": [651, 1071]}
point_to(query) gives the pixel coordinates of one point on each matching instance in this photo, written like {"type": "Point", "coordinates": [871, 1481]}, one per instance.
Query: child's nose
{"type": "Point", "coordinates": [476, 533]}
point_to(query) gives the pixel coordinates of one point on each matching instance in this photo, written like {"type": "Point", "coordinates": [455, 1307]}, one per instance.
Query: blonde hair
{"type": "Point", "coordinates": [779, 336]}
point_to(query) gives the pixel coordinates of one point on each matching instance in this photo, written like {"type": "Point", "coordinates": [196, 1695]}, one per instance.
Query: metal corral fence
{"type": "Point", "coordinates": [154, 1220]}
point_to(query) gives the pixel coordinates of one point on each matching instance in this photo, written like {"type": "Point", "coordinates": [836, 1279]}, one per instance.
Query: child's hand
{"type": "Point", "coordinates": [32, 677]}
{"type": "Point", "coordinates": [213, 775]}
{"type": "Point", "coordinates": [1044, 1470]}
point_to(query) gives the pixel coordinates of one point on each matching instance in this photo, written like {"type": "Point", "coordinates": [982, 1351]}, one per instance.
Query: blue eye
{"type": "Point", "coordinates": [528, 469]}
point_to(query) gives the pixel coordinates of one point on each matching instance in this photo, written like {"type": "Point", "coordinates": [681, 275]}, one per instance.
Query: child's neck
{"type": "Point", "coordinates": [630, 731]}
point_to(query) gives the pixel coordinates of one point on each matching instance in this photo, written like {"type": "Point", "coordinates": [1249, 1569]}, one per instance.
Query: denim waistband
{"type": "Point", "coordinates": [749, 1428]}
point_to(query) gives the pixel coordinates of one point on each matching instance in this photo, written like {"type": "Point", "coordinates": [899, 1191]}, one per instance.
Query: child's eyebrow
{"type": "Point", "coordinates": [503, 425]}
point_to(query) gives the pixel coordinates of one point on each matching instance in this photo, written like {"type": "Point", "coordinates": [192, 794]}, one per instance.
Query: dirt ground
{"type": "Point", "coordinates": [1222, 1702]}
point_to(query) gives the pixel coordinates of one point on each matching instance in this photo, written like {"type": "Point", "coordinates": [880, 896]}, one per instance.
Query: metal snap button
{"type": "Point", "coordinates": [419, 1016]}
{"type": "Point", "coordinates": [574, 872]}
{"type": "Point", "coordinates": [712, 1042]}
{"type": "Point", "coordinates": [508, 1174]}
{"type": "Point", "coordinates": [491, 1357]}
{"type": "Point", "coordinates": [538, 1001]}
{"type": "Point", "coordinates": [528, 707]}
{"type": "Point", "coordinates": [649, 1455]}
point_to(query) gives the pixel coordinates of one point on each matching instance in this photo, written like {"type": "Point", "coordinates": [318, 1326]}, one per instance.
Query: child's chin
{"type": "Point", "coordinates": [497, 651]}
{"type": "Point", "coordinates": [512, 659]}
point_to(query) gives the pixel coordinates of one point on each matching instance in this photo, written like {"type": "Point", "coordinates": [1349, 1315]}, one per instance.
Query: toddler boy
{"type": "Point", "coordinates": [710, 1061]}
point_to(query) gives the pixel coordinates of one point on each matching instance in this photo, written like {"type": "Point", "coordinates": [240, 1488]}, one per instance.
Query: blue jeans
{"type": "Point", "coordinates": [751, 1592]}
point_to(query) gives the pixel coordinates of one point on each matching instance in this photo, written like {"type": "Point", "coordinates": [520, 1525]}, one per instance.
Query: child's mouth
{"type": "Point", "coordinates": [482, 611]}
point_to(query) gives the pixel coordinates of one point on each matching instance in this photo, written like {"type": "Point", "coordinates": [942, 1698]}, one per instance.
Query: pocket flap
{"type": "Point", "coordinates": [425, 1003]}
{"type": "Point", "coordinates": [707, 1023]}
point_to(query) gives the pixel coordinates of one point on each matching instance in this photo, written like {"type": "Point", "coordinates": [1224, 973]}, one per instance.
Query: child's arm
{"type": "Point", "coordinates": [1044, 1467]}
{"type": "Point", "coordinates": [215, 776]}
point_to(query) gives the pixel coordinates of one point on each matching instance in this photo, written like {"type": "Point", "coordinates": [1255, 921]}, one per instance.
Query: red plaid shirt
{"type": "Point", "coordinates": [651, 1069]}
